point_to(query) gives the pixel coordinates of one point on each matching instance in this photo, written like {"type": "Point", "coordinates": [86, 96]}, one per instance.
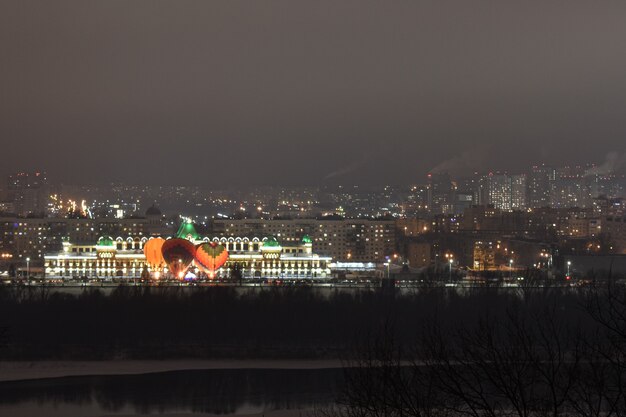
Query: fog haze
{"type": "Point", "coordinates": [283, 92]}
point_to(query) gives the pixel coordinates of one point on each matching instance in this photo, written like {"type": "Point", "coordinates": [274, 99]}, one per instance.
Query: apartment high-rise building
{"type": "Point", "coordinates": [518, 192]}
{"type": "Point", "coordinates": [571, 188]}
{"type": "Point", "coordinates": [440, 193]}
{"type": "Point", "coordinates": [504, 191]}
{"type": "Point", "coordinates": [539, 183]}
{"type": "Point", "coordinates": [28, 192]}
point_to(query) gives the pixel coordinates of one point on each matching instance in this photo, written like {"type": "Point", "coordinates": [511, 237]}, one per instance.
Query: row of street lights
{"type": "Point", "coordinates": [449, 256]}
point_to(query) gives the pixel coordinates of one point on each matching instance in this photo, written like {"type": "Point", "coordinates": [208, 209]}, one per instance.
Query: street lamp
{"type": "Point", "coordinates": [388, 264]}
{"type": "Point", "coordinates": [27, 268]}
{"type": "Point", "coordinates": [569, 263]}
{"type": "Point", "coordinates": [450, 259]}
{"type": "Point", "coordinates": [510, 269]}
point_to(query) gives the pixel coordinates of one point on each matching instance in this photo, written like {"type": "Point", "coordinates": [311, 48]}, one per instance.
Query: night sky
{"type": "Point", "coordinates": [287, 92]}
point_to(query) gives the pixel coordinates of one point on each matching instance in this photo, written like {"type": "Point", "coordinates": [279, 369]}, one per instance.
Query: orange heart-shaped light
{"type": "Point", "coordinates": [210, 256]}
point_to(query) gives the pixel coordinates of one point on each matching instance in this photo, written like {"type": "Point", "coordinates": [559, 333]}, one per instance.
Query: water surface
{"type": "Point", "coordinates": [221, 391]}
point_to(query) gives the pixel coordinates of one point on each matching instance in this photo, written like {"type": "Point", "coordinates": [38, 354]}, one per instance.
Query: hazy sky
{"type": "Point", "coordinates": [262, 92]}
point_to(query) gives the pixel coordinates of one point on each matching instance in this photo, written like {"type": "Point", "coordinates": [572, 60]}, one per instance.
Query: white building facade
{"type": "Point", "coordinates": [121, 258]}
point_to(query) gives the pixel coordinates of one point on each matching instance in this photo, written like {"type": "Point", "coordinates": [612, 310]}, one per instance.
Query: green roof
{"type": "Point", "coordinates": [186, 229]}
{"type": "Point", "coordinates": [306, 239]}
{"type": "Point", "coordinates": [105, 241]}
{"type": "Point", "coordinates": [271, 242]}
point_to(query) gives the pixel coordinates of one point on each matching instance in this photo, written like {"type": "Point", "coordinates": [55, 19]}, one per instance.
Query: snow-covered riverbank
{"type": "Point", "coordinates": [15, 371]}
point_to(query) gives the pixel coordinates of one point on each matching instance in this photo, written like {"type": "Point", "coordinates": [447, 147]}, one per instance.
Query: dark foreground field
{"type": "Point", "coordinates": [215, 322]}
{"type": "Point", "coordinates": [444, 352]}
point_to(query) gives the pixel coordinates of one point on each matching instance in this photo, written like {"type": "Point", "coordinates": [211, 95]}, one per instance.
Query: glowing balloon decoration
{"type": "Point", "coordinates": [178, 255]}
{"type": "Point", "coordinates": [210, 257]}
{"type": "Point", "coordinates": [154, 256]}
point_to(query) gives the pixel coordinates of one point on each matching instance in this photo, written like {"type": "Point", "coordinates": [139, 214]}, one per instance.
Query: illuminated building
{"type": "Point", "coordinates": [28, 192]}
{"type": "Point", "coordinates": [570, 191]}
{"type": "Point", "coordinates": [361, 240]}
{"type": "Point", "coordinates": [417, 201]}
{"type": "Point", "coordinates": [539, 184]}
{"type": "Point", "coordinates": [253, 257]}
{"type": "Point", "coordinates": [504, 191]}
{"type": "Point", "coordinates": [484, 256]}
{"type": "Point", "coordinates": [32, 237]}
{"type": "Point", "coordinates": [609, 185]}
{"type": "Point", "coordinates": [440, 193]}
{"type": "Point", "coordinates": [412, 226]}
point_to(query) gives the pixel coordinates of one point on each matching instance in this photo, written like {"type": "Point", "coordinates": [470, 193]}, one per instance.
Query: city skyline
{"type": "Point", "coordinates": [34, 193]}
